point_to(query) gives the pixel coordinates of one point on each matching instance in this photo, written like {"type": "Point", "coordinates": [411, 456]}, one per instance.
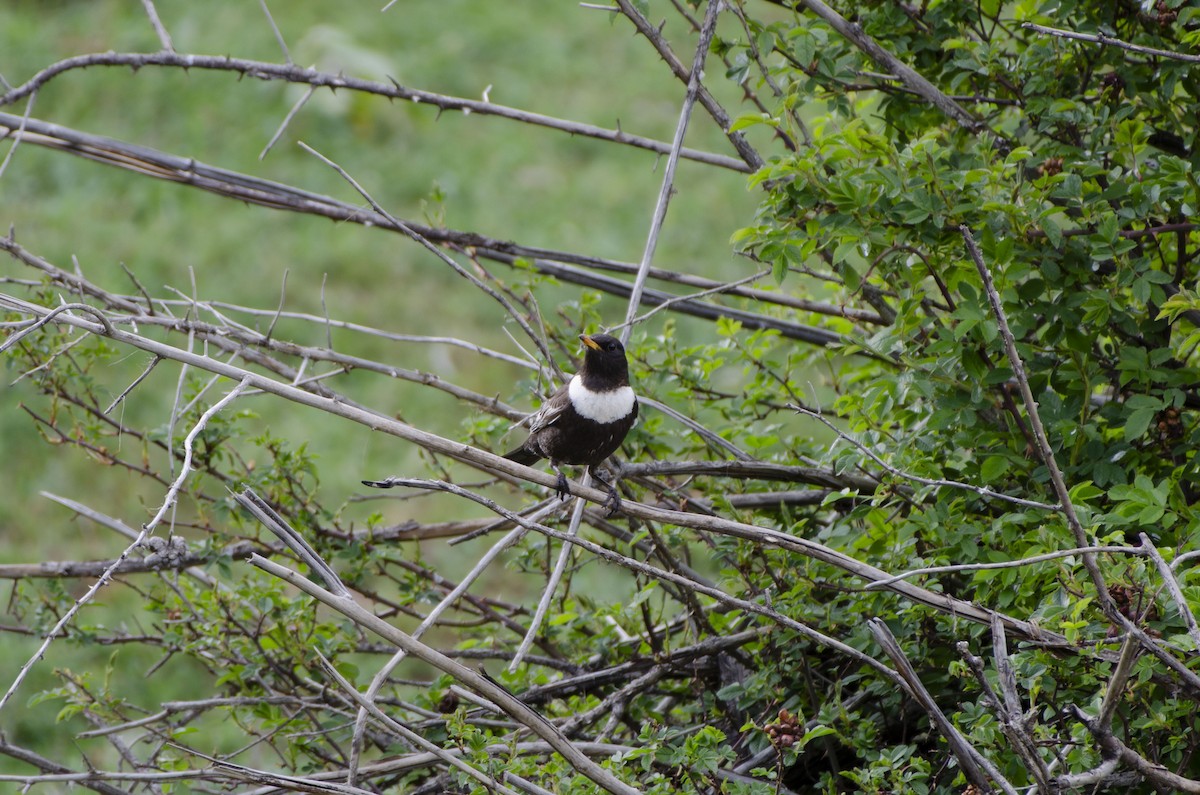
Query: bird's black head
{"type": "Point", "coordinates": [604, 365]}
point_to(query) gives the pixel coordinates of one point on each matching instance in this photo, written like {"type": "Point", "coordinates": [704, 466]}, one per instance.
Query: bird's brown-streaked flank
{"type": "Point", "coordinates": [586, 420]}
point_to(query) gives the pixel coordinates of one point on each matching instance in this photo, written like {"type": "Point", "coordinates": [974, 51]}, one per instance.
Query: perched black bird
{"type": "Point", "coordinates": [584, 422]}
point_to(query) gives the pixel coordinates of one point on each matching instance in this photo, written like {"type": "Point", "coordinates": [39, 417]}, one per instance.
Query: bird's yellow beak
{"type": "Point", "coordinates": [588, 341]}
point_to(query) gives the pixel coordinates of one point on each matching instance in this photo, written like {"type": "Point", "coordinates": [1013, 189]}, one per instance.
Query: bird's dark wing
{"type": "Point", "coordinates": [551, 411]}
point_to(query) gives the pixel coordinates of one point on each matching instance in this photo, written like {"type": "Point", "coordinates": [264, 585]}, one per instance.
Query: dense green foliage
{"type": "Point", "coordinates": [1080, 185]}
{"type": "Point", "coordinates": [1071, 163]}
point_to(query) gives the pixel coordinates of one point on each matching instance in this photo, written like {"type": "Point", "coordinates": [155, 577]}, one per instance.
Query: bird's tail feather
{"type": "Point", "coordinates": [523, 455]}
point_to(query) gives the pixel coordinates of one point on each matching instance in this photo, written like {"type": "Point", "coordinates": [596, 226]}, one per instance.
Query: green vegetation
{"type": "Point", "coordinates": [738, 627]}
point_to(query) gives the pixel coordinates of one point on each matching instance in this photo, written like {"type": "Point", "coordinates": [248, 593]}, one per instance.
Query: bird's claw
{"type": "Point", "coordinates": [613, 504]}
{"type": "Point", "coordinates": [561, 487]}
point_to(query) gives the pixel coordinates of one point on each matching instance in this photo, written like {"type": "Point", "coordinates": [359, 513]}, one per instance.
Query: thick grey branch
{"type": "Point", "coordinates": [94, 568]}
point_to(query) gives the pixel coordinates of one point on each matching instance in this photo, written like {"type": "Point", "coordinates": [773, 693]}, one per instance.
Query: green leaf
{"type": "Point", "coordinates": [752, 120]}
{"type": "Point", "coordinates": [819, 730]}
{"type": "Point", "coordinates": [1084, 492]}
{"type": "Point", "coordinates": [779, 270]}
{"type": "Point", "coordinates": [1176, 305]}
{"type": "Point", "coordinates": [1053, 231]}
{"type": "Point", "coordinates": [993, 467]}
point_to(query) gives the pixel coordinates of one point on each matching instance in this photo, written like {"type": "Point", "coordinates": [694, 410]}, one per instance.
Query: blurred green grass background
{"type": "Point", "coordinates": [496, 177]}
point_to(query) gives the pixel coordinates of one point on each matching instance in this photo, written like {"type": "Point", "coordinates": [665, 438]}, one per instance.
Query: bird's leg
{"type": "Point", "coordinates": [560, 485]}
{"type": "Point", "coordinates": [614, 499]}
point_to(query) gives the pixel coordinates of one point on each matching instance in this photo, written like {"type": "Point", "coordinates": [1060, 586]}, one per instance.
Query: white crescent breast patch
{"type": "Point", "coordinates": [602, 407]}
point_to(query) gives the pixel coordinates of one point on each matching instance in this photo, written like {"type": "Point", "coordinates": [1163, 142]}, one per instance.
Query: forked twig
{"type": "Point", "coordinates": [975, 766]}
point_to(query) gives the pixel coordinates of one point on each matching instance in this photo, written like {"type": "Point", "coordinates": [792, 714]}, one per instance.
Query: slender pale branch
{"type": "Point", "coordinates": [982, 491]}
{"type": "Point", "coordinates": [1046, 453]}
{"type": "Point", "coordinates": [1103, 39]}
{"type": "Point", "coordinates": [668, 181]}
{"type": "Point", "coordinates": [291, 73]}
{"type": "Point", "coordinates": [380, 678]}
{"type": "Point", "coordinates": [556, 574]}
{"type": "Point", "coordinates": [1006, 564]}
{"type": "Point", "coordinates": [429, 246]}
{"type": "Point", "coordinates": [160, 30]}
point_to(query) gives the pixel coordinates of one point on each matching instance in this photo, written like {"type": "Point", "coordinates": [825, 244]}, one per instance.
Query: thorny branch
{"type": "Point", "coordinates": [291, 73]}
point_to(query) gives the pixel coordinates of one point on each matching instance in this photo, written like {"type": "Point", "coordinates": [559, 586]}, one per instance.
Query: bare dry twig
{"type": "Point", "coordinates": [561, 265]}
{"type": "Point", "coordinates": [1102, 38]}
{"type": "Point", "coordinates": [294, 74]}
{"type": "Point", "coordinates": [494, 463]}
